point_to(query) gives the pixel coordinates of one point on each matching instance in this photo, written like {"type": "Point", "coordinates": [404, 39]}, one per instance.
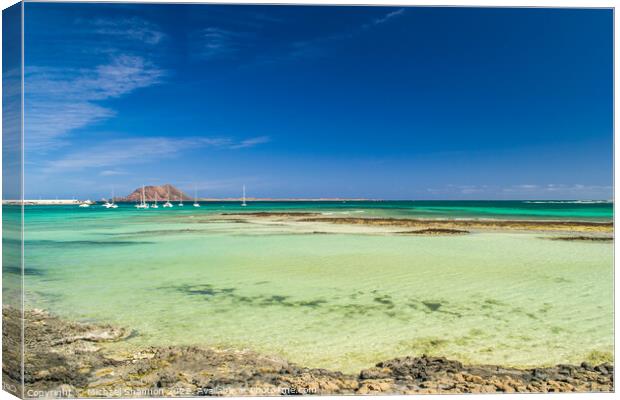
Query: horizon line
{"type": "Point", "coordinates": [231, 199]}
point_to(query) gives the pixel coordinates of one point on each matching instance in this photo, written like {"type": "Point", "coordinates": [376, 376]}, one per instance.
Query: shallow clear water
{"type": "Point", "coordinates": [340, 301]}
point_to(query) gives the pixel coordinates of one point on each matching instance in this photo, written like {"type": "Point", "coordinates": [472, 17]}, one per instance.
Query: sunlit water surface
{"type": "Point", "coordinates": [338, 301]}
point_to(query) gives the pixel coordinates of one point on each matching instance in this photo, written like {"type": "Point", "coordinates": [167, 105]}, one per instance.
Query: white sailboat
{"type": "Point", "coordinates": [154, 205]}
{"type": "Point", "coordinates": [243, 204]}
{"type": "Point", "coordinates": [86, 203]}
{"type": "Point", "coordinates": [114, 205]}
{"type": "Point", "coordinates": [143, 203]}
{"type": "Point", "coordinates": [196, 204]}
{"type": "Point", "coordinates": [109, 204]}
{"type": "Point", "coordinates": [168, 203]}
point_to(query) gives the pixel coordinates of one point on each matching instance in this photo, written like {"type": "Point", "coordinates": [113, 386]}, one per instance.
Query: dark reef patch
{"type": "Point", "coordinates": [83, 243]}
{"type": "Point", "coordinates": [434, 232]}
{"type": "Point", "coordinates": [450, 224]}
{"type": "Point", "coordinates": [582, 238]}
{"type": "Point", "coordinates": [385, 300]}
{"type": "Point", "coordinates": [432, 306]}
{"type": "Point", "coordinates": [206, 290]}
{"type": "Point", "coordinates": [18, 271]}
{"type": "Point", "coordinates": [164, 232]}
{"type": "Point", "coordinates": [362, 303]}
{"type": "Point", "coordinates": [209, 292]}
{"type": "Point", "coordinates": [273, 214]}
{"type": "Point", "coordinates": [275, 299]}
{"type": "Point", "coordinates": [312, 303]}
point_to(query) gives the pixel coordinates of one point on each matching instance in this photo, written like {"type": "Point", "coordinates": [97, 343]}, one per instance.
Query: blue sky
{"type": "Point", "coordinates": [292, 101]}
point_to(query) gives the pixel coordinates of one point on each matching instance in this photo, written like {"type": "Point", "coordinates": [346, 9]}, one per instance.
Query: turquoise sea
{"type": "Point", "coordinates": [343, 300]}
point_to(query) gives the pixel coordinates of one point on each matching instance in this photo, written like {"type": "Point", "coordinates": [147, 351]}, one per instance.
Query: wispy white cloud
{"type": "Point", "coordinates": [120, 152]}
{"type": "Point", "coordinates": [539, 191]}
{"type": "Point", "coordinates": [130, 28]}
{"type": "Point", "coordinates": [526, 187]}
{"type": "Point", "coordinates": [388, 16]}
{"type": "Point", "coordinates": [112, 172]}
{"type": "Point", "coordinates": [114, 153]}
{"type": "Point", "coordinates": [577, 189]}
{"type": "Point", "coordinates": [11, 116]}
{"type": "Point", "coordinates": [214, 42]}
{"type": "Point", "coordinates": [58, 101]}
{"type": "Point", "coordinates": [314, 47]}
{"type": "Point", "coordinates": [228, 187]}
{"type": "Point", "coordinates": [205, 188]}
{"type": "Point", "coordinates": [250, 142]}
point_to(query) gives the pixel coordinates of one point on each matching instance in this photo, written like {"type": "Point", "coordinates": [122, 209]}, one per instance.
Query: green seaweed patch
{"type": "Point", "coordinates": [386, 300]}
{"type": "Point", "coordinates": [278, 300]}
{"type": "Point", "coordinates": [206, 290]}
{"type": "Point", "coordinates": [244, 299]}
{"type": "Point", "coordinates": [432, 306]}
{"type": "Point", "coordinates": [519, 310]}
{"type": "Point", "coordinates": [556, 329]}
{"type": "Point", "coordinates": [424, 345]}
{"type": "Point", "coordinates": [463, 341]}
{"type": "Point", "coordinates": [475, 332]}
{"type": "Point", "coordinates": [429, 306]}
{"type": "Point", "coordinates": [312, 303]}
{"type": "Point", "coordinates": [494, 302]}
{"type": "Point", "coordinates": [356, 310]}
{"type": "Point", "coordinates": [350, 311]}
{"type": "Point", "coordinates": [275, 299]}
{"type": "Point", "coordinates": [598, 357]}
{"type": "Point", "coordinates": [545, 307]}
{"type": "Point", "coordinates": [209, 292]}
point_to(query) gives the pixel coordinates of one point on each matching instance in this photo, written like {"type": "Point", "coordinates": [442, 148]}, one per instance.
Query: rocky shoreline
{"type": "Point", "coordinates": [435, 226]}
{"type": "Point", "coordinates": [584, 238]}
{"type": "Point", "coordinates": [529, 225]}
{"type": "Point", "coordinates": [69, 359]}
